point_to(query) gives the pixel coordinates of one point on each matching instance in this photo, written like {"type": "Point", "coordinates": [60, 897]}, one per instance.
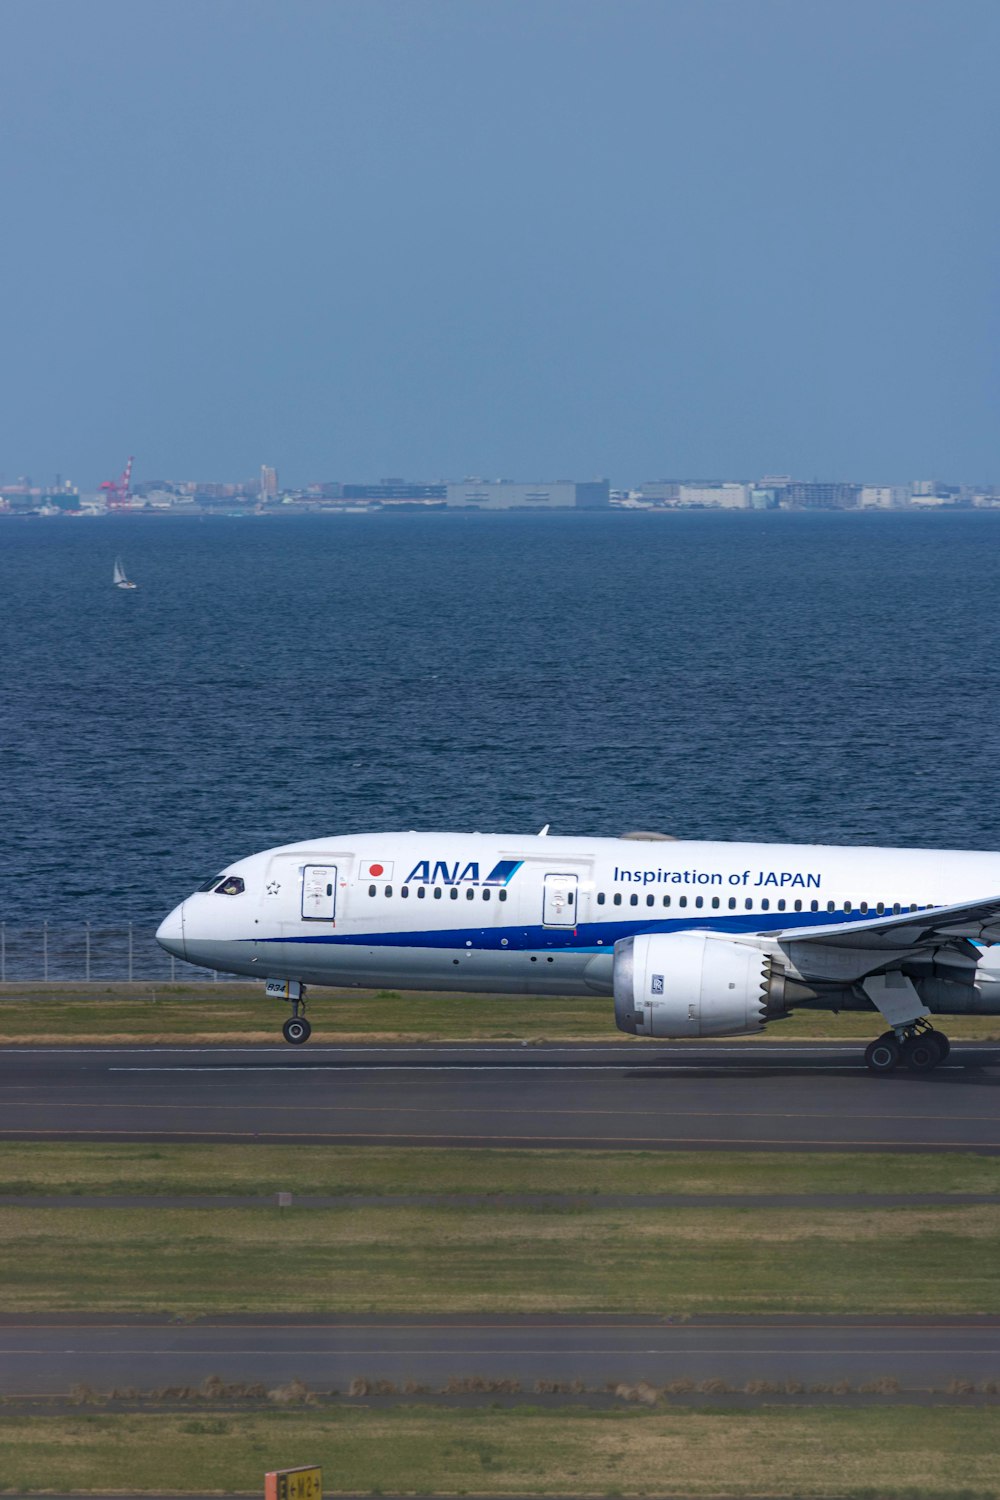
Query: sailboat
{"type": "Point", "coordinates": [120, 579]}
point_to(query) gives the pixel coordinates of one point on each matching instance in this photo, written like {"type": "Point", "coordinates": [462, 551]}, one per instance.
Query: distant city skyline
{"type": "Point", "coordinates": [265, 493]}
{"type": "Point", "coordinates": [528, 237]}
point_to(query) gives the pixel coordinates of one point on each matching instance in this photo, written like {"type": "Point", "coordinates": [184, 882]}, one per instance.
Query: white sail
{"type": "Point", "coordinates": [121, 580]}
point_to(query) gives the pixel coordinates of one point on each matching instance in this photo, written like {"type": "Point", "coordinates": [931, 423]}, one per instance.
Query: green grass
{"type": "Point", "coordinates": [820, 1452]}
{"type": "Point", "coordinates": [241, 1013]}
{"type": "Point", "coordinates": [80, 1168]}
{"type": "Point", "coordinates": [428, 1260]}
{"type": "Point", "coordinates": [164, 1013]}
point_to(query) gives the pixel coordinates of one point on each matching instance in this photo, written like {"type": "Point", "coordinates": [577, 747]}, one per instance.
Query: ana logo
{"type": "Point", "coordinates": [440, 872]}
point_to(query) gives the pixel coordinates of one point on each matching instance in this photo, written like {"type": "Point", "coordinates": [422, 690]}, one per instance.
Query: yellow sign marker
{"type": "Point", "coordinates": [294, 1484]}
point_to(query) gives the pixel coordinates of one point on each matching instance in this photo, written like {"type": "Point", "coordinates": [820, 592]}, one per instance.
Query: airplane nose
{"type": "Point", "coordinates": [170, 933]}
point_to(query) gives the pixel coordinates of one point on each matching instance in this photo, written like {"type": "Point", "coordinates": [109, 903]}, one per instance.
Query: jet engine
{"type": "Point", "coordinates": [696, 984]}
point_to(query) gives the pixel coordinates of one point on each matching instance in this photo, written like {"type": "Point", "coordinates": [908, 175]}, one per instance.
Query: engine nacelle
{"type": "Point", "coordinates": [694, 984]}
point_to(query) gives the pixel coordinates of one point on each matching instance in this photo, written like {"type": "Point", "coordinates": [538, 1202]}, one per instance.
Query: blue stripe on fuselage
{"type": "Point", "coordinates": [589, 937]}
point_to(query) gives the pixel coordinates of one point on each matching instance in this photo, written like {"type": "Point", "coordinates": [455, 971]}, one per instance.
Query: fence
{"type": "Point", "coordinates": [91, 952]}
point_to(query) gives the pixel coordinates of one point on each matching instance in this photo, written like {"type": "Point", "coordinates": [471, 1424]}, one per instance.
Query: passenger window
{"type": "Point", "coordinates": [501, 895]}
{"type": "Point", "coordinates": [699, 901]}
{"type": "Point", "coordinates": [765, 905]}
{"type": "Point", "coordinates": [830, 906]}
{"type": "Point", "coordinates": [880, 908]}
{"type": "Point", "coordinates": [847, 908]}
{"type": "Point", "coordinates": [682, 901]}
{"type": "Point", "coordinates": [666, 900]}
{"type": "Point", "coordinates": [633, 900]}
{"type": "Point", "coordinates": [437, 893]}
{"type": "Point", "coordinates": [404, 891]}
{"type": "Point", "coordinates": [863, 908]}
{"type": "Point", "coordinates": [388, 890]}
{"type": "Point", "coordinates": [618, 898]}
{"type": "Point", "coordinates": [650, 900]}
{"type": "Point", "coordinates": [486, 893]}
{"type": "Point", "coordinates": [231, 886]}
{"type": "Point", "coordinates": [421, 892]}
{"type": "Point", "coordinates": [600, 898]}
{"type": "Point", "coordinates": [895, 908]}
{"type": "Point", "coordinates": [373, 890]}
{"type": "Point", "coordinates": [453, 893]}
{"type": "Point", "coordinates": [813, 906]}
{"type": "Point", "coordinates": [781, 905]}
{"type": "Point", "coordinates": [748, 903]}
{"type": "Point", "coordinates": [470, 894]}
{"type": "Point", "coordinates": [715, 903]}
{"type": "Point", "coordinates": [732, 903]}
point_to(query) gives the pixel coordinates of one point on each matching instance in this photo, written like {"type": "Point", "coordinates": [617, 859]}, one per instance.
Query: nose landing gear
{"type": "Point", "coordinates": [296, 1029]}
{"type": "Point", "coordinates": [918, 1047]}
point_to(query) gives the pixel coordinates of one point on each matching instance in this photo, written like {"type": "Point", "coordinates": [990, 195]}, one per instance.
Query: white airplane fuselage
{"type": "Point", "coordinates": [542, 915]}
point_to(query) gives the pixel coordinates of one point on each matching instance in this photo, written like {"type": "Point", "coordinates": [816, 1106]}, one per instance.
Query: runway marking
{"type": "Point", "coordinates": [471, 1353]}
{"type": "Point", "coordinates": [617, 1143]}
{"type": "Point", "coordinates": [340, 1068]}
{"type": "Point", "coordinates": [266, 1049]}
{"type": "Point", "coordinates": [835, 1327]}
{"type": "Point", "coordinates": [446, 1109]}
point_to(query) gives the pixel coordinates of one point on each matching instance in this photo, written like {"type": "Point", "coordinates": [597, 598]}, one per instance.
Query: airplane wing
{"type": "Point", "coordinates": [932, 927]}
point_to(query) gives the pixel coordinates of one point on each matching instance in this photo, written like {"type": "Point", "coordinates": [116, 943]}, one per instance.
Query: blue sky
{"type": "Point", "coordinates": [536, 238]}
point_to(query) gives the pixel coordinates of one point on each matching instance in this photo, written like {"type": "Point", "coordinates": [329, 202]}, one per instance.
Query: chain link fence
{"type": "Point", "coordinates": [91, 953]}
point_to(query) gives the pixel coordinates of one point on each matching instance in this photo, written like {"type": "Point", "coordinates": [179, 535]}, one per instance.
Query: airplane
{"type": "Point", "coordinates": [692, 939]}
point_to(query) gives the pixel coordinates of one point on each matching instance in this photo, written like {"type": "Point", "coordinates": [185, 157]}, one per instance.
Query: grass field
{"type": "Point", "coordinates": [58, 1167]}
{"type": "Point", "coordinates": [427, 1260]}
{"type": "Point", "coordinates": [240, 1013]}
{"type": "Point", "coordinates": [899, 1451]}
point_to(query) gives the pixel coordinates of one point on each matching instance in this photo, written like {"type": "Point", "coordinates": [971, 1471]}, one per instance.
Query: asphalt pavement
{"type": "Point", "coordinates": [729, 1095]}
{"type": "Point", "coordinates": [47, 1356]}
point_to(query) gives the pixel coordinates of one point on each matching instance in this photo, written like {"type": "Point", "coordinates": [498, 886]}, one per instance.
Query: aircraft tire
{"type": "Point", "coordinates": [944, 1046]}
{"type": "Point", "coordinates": [921, 1052]}
{"type": "Point", "coordinates": [296, 1030]}
{"type": "Point", "coordinates": [882, 1055]}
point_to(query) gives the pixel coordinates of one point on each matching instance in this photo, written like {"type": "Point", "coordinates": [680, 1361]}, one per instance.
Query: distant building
{"type": "Point", "coordinates": [501, 495]}
{"type": "Point", "coordinates": [268, 483]}
{"type": "Point", "coordinates": [763, 497]}
{"type": "Point", "coordinates": [883, 496]}
{"type": "Point", "coordinates": [394, 491]}
{"type": "Point", "coordinates": [718, 496]}
{"type": "Point", "coordinates": [821, 496]}
{"type": "Point", "coordinates": [661, 491]}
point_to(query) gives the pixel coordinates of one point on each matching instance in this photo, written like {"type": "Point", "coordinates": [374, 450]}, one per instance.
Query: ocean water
{"type": "Point", "coordinates": [775, 676]}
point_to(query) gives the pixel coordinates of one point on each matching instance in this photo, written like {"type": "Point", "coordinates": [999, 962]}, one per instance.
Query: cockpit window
{"type": "Point", "coordinates": [207, 885]}
{"type": "Point", "coordinates": [231, 886]}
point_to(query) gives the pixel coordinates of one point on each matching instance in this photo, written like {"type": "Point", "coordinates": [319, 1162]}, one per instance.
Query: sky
{"type": "Point", "coordinates": [532, 238]}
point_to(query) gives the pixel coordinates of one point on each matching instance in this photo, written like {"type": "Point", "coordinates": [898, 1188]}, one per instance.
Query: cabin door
{"type": "Point", "coordinates": [559, 902]}
{"type": "Point", "coordinates": [319, 893]}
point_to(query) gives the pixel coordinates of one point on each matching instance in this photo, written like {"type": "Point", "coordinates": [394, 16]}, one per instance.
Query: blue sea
{"type": "Point", "coordinates": [828, 677]}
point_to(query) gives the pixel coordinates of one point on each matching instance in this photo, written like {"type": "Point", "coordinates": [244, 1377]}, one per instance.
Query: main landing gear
{"type": "Point", "coordinates": [918, 1047]}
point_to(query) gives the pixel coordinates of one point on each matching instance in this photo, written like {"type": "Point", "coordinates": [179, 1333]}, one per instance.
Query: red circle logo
{"type": "Point", "coordinates": [376, 869]}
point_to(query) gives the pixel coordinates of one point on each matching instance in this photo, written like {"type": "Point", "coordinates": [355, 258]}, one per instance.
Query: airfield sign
{"type": "Point", "coordinates": [294, 1484]}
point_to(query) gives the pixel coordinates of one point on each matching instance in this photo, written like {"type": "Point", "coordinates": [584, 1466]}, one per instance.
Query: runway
{"type": "Point", "coordinates": [46, 1357]}
{"type": "Point", "coordinates": [764, 1096]}
{"type": "Point", "coordinates": [723, 1095]}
